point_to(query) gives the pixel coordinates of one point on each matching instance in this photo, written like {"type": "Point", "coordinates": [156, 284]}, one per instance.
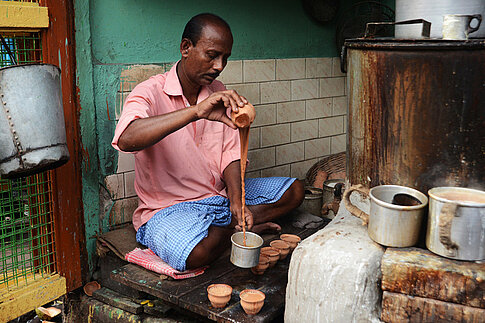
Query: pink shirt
{"type": "Point", "coordinates": [186, 165]}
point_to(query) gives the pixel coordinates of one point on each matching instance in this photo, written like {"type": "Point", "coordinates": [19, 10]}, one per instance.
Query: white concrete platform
{"type": "Point", "coordinates": [335, 274]}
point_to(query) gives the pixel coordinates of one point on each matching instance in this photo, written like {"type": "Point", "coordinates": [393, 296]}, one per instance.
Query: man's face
{"type": "Point", "coordinates": [206, 60]}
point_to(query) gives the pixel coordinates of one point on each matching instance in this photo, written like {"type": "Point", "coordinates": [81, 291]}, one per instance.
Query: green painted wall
{"type": "Point", "coordinates": [111, 34]}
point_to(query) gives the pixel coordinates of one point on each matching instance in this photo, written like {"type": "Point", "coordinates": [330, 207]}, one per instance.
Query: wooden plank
{"type": "Point", "coordinates": [112, 298]}
{"type": "Point", "coordinates": [28, 297]}
{"type": "Point", "coordinates": [58, 49]}
{"type": "Point", "coordinates": [418, 272]}
{"type": "Point", "coordinates": [167, 290]}
{"type": "Point", "coordinates": [404, 308]}
{"type": "Point", "coordinates": [23, 15]}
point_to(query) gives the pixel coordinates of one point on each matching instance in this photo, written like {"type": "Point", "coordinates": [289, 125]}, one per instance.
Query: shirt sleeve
{"type": "Point", "coordinates": [137, 106]}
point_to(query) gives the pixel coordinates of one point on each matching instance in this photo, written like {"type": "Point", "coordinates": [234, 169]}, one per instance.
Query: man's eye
{"type": "Point", "coordinates": [211, 56]}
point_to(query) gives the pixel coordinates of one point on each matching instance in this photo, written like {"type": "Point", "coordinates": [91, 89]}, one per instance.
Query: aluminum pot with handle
{"type": "Point", "coordinates": [456, 223]}
{"type": "Point", "coordinates": [390, 224]}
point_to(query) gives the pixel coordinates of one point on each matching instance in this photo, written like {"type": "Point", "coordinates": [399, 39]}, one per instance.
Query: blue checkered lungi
{"type": "Point", "coordinates": [173, 232]}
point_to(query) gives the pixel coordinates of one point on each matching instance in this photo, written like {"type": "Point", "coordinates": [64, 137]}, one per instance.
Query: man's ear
{"type": "Point", "coordinates": [185, 47]}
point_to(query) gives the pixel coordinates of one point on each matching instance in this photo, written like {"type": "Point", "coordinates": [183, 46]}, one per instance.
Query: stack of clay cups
{"type": "Point", "coordinates": [272, 254]}
{"type": "Point", "coordinates": [292, 239]}
{"type": "Point", "coordinates": [261, 267]}
{"type": "Point", "coordinates": [282, 247]}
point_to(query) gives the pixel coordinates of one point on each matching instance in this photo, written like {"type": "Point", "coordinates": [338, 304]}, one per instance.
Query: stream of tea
{"type": "Point", "coordinates": [244, 138]}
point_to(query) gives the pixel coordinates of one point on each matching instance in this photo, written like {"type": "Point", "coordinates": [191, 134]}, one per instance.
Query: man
{"type": "Point", "coordinates": [187, 151]}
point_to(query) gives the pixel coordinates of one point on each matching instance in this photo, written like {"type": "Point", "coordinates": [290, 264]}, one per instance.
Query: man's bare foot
{"type": "Point", "coordinates": [266, 227]}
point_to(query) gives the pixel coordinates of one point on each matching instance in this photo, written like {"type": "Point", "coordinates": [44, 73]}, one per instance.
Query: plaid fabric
{"type": "Point", "coordinates": [173, 232]}
{"type": "Point", "coordinates": [149, 260]}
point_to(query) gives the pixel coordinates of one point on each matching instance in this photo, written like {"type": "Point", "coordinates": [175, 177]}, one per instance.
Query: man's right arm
{"type": "Point", "coordinates": [145, 132]}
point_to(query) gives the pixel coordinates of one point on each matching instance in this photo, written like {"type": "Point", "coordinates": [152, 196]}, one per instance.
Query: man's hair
{"type": "Point", "coordinates": [193, 28]}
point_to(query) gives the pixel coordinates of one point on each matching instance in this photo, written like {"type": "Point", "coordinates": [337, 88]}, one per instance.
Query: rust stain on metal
{"type": "Point", "coordinates": [416, 116]}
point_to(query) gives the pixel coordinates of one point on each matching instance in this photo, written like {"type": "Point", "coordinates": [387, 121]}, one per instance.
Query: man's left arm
{"type": "Point", "coordinates": [232, 178]}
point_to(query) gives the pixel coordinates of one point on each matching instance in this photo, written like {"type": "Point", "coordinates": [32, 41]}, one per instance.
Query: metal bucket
{"type": "Point", "coordinates": [245, 256]}
{"type": "Point", "coordinates": [313, 200]}
{"type": "Point", "coordinates": [32, 131]}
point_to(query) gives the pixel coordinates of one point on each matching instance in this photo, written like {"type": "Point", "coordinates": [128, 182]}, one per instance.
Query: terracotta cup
{"type": "Point", "coordinates": [252, 301]}
{"type": "Point", "coordinates": [219, 294]}
{"type": "Point", "coordinates": [283, 247]}
{"type": "Point", "coordinates": [261, 267]}
{"type": "Point", "coordinates": [244, 117]}
{"type": "Point", "coordinates": [292, 239]}
{"type": "Point", "coordinates": [272, 254]}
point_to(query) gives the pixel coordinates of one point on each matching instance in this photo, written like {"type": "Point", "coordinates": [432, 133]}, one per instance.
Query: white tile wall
{"type": "Point", "coordinates": [301, 110]}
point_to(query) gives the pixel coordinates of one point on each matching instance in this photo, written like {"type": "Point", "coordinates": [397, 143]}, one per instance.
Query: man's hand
{"type": "Point", "coordinates": [215, 106]}
{"type": "Point", "coordinates": [236, 211]}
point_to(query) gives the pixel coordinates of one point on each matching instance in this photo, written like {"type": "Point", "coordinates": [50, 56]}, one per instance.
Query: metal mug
{"type": "Point", "coordinates": [245, 256]}
{"type": "Point", "coordinates": [459, 26]}
{"type": "Point", "coordinates": [456, 223]}
{"type": "Point", "coordinates": [390, 224]}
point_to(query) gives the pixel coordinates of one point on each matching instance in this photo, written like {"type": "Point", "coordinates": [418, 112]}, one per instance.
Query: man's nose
{"type": "Point", "coordinates": [219, 64]}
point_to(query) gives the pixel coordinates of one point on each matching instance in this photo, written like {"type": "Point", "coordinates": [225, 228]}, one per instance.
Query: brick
{"type": "Point", "coordinates": [254, 138]}
{"type": "Point", "coordinates": [279, 171]}
{"type": "Point", "coordinates": [250, 91]}
{"type": "Point", "coordinates": [272, 92]}
{"type": "Point", "coordinates": [304, 89]}
{"type": "Point", "coordinates": [304, 130]}
{"type": "Point", "coordinates": [126, 162]}
{"type": "Point", "coordinates": [318, 67]}
{"type": "Point", "coordinates": [135, 74]}
{"type": "Point", "coordinates": [318, 108]}
{"type": "Point", "coordinates": [330, 126]}
{"type": "Point", "coordinates": [336, 71]}
{"type": "Point", "coordinates": [317, 148]}
{"type": "Point", "coordinates": [338, 144]}
{"type": "Point", "coordinates": [261, 158]}
{"type": "Point", "coordinates": [122, 211]}
{"type": "Point", "coordinates": [129, 182]}
{"type": "Point", "coordinates": [265, 115]}
{"type": "Point", "coordinates": [330, 87]}
{"type": "Point", "coordinates": [290, 153]}
{"type": "Point", "coordinates": [339, 105]}
{"type": "Point", "coordinates": [232, 73]}
{"type": "Point", "coordinates": [254, 174]}
{"type": "Point", "coordinates": [275, 135]}
{"type": "Point", "coordinates": [300, 169]}
{"type": "Point", "coordinates": [114, 184]}
{"type": "Point", "coordinates": [259, 70]}
{"type": "Point", "coordinates": [290, 69]}
{"type": "Point", "coordinates": [290, 111]}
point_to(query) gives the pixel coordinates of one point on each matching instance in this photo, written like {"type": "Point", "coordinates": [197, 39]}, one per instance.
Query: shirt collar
{"type": "Point", "coordinates": [173, 87]}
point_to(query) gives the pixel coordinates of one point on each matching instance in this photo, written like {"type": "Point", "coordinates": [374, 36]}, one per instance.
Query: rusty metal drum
{"type": "Point", "coordinates": [32, 130]}
{"type": "Point", "coordinates": [416, 112]}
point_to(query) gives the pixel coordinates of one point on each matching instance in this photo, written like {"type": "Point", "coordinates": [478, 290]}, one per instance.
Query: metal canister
{"type": "Point", "coordinates": [416, 112]}
{"type": "Point", "coordinates": [313, 200]}
{"type": "Point", "coordinates": [32, 130]}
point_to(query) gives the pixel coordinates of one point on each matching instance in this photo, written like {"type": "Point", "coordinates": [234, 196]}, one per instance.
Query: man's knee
{"type": "Point", "coordinates": [297, 190]}
{"type": "Point", "coordinates": [198, 257]}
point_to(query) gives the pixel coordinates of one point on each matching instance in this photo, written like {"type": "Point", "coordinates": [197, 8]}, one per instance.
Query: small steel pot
{"type": "Point", "coordinates": [456, 223]}
{"type": "Point", "coordinates": [313, 200]}
{"type": "Point", "coordinates": [245, 256]}
{"type": "Point", "coordinates": [390, 224]}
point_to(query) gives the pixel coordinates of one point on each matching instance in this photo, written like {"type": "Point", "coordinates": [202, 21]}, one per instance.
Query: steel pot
{"type": "Point", "coordinates": [245, 256]}
{"type": "Point", "coordinates": [312, 202]}
{"type": "Point", "coordinates": [390, 224]}
{"type": "Point", "coordinates": [456, 223]}
{"type": "Point", "coordinates": [32, 131]}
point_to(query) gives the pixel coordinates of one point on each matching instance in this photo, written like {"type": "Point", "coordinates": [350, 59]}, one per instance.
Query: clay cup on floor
{"type": "Point", "coordinates": [272, 254]}
{"type": "Point", "coordinates": [252, 301]}
{"type": "Point", "coordinates": [261, 267]}
{"type": "Point", "coordinates": [292, 239]}
{"type": "Point", "coordinates": [219, 294]}
{"type": "Point", "coordinates": [282, 247]}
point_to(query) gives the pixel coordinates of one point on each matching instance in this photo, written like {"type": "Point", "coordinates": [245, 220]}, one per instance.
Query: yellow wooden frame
{"type": "Point", "coordinates": [31, 295]}
{"type": "Point", "coordinates": [22, 16]}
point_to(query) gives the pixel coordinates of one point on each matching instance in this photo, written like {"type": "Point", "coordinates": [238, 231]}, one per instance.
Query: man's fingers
{"type": "Point", "coordinates": [228, 121]}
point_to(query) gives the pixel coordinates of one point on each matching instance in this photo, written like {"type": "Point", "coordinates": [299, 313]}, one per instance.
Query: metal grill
{"type": "Point", "coordinates": [26, 220]}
